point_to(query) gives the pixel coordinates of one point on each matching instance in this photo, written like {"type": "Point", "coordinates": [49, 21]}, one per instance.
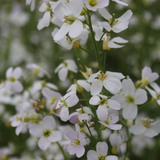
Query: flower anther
{"type": "Point", "coordinates": [69, 19]}
{"type": "Point", "coordinates": [102, 76]}
{"type": "Point", "coordinates": [46, 133]}
{"type": "Point", "coordinates": [146, 123]}
{"type": "Point", "coordinates": [129, 99]}
{"type": "Point", "coordinates": [101, 157]}
{"type": "Point", "coordinates": [92, 2]}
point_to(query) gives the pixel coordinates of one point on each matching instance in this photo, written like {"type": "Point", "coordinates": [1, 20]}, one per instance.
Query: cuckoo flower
{"type": "Point", "coordinates": [68, 13]}
{"type": "Point", "coordinates": [45, 132]}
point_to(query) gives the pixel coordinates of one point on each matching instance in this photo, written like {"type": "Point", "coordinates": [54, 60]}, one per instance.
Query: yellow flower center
{"type": "Point", "coordinates": [92, 2]}
{"type": "Point", "coordinates": [146, 123]}
{"type": "Point", "coordinates": [36, 71]}
{"type": "Point", "coordinates": [145, 81]}
{"type": "Point", "coordinates": [46, 133]}
{"type": "Point", "coordinates": [103, 101]}
{"type": "Point", "coordinates": [101, 157]}
{"type": "Point", "coordinates": [129, 99]}
{"type": "Point", "coordinates": [12, 79]}
{"type": "Point", "coordinates": [102, 76]}
{"type": "Point", "coordinates": [77, 142]}
{"type": "Point", "coordinates": [69, 19]}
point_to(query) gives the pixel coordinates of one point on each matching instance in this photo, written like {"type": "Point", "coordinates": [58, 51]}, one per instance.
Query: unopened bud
{"type": "Point", "coordinates": [92, 124]}
{"type": "Point", "coordinates": [153, 100]}
{"type": "Point", "coordinates": [143, 86]}
{"type": "Point", "coordinates": [83, 12]}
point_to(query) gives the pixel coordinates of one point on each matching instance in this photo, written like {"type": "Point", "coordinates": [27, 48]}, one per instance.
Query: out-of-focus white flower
{"type": "Point", "coordinates": [110, 80]}
{"type": "Point", "coordinates": [146, 127]}
{"type": "Point", "coordinates": [115, 24]}
{"type": "Point", "coordinates": [45, 132]}
{"type": "Point", "coordinates": [63, 68]}
{"type": "Point", "coordinates": [95, 4]}
{"type": "Point", "coordinates": [68, 13]}
{"type": "Point", "coordinates": [100, 153]}
{"type": "Point", "coordinates": [12, 83]}
{"type": "Point", "coordinates": [38, 70]}
{"type": "Point", "coordinates": [116, 141]}
{"type": "Point", "coordinates": [130, 98]}
{"type": "Point", "coordinates": [32, 4]}
{"type": "Point", "coordinates": [75, 142]}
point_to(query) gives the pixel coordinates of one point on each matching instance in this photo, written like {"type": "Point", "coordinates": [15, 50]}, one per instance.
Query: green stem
{"type": "Point", "coordinates": [87, 51]}
{"type": "Point", "coordinates": [60, 147]}
{"type": "Point", "coordinates": [92, 33]}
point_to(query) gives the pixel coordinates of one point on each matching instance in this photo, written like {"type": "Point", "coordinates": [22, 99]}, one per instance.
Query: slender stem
{"type": "Point", "coordinates": [83, 99]}
{"type": "Point", "coordinates": [87, 51]}
{"type": "Point", "coordinates": [100, 39]}
{"type": "Point", "coordinates": [97, 53]}
{"type": "Point", "coordinates": [64, 155]}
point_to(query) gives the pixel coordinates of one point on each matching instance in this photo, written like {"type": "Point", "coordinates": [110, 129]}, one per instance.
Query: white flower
{"type": "Point", "coordinates": [146, 127]}
{"type": "Point", "coordinates": [155, 94]}
{"type": "Point", "coordinates": [115, 24]}
{"type": "Point", "coordinates": [100, 153]}
{"type": "Point", "coordinates": [75, 143]}
{"type": "Point", "coordinates": [63, 68]}
{"type": "Point", "coordinates": [32, 3]}
{"type": "Point", "coordinates": [110, 80]}
{"type": "Point", "coordinates": [130, 98]}
{"type": "Point", "coordinates": [109, 43]}
{"type": "Point", "coordinates": [116, 141]}
{"type": "Point", "coordinates": [12, 83]}
{"type": "Point", "coordinates": [68, 13]}
{"type": "Point", "coordinates": [148, 76]}
{"type": "Point", "coordinates": [38, 70]}
{"type": "Point", "coordinates": [104, 103]}
{"type": "Point", "coordinates": [69, 100]}
{"type": "Point", "coordinates": [45, 132]}
{"type": "Point", "coordinates": [95, 4]}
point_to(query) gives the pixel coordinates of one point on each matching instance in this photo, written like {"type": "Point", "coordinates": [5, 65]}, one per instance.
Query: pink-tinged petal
{"type": "Point", "coordinates": [113, 104]}
{"type": "Point", "coordinates": [55, 136]}
{"type": "Point", "coordinates": [72, 100]}
{"type": "Point", "coordinates": [74, 119]}
{"type": "Point", "coordinates": [102, 148]}
{"type": "Point", "coordinates": [140, 96]}
{"type": "Point", "coordinates": [94, 100]}
{"type": "Point", "coordinates": [155, 87]}
{"type": "Point", "coordinates": [62, 74]}
{"type": "Point", "coordinates": [64, 114]}
{"type": "Point", "coordinates": [150, 133]}
{"type": "Point", "coordinates": [115, 126]}
{"type": "Point", "coordinates": [75, 29]}
{"type": "Point", "coordinates": [128, 87]}
{"type": "Point", "coordinates": [43, 143]}
{"type": "Point", "coordinates": [137, 129]}
{"type": "Point", "coordinates": [92, 155]}
{"type": "Point", "coordinates": [111, 158]}
{"type": "Point", "coordinates": [126, 16]}
{"type": "Point", "coordinates": [9, 72]}
{"type": "Point", "coordinates": [130, 111]}
{"type": "Point", "coordinates": [49, 123]}
{"type": "Point", "coordinates": [105, 14]}
{"type": "Point", "coordinates": [62, 31]}
{"type": "Point", "coordinates": [96, 87]}
{"type": "Point", "coordinates": [36, 130]}
{"type": "Point", "coordinates": [82, 139]}
{"type": "Point", "coordinates": [80, 150]}
{"type": "Point", "coordinates": [72, 135]}
{"type": "Point", "coordinates": [17, 72]}
{"type": "Point", "coordinates": [19, 129]}
{"type": "Point", "coordinates": [17, 86]}
{"type": "Point", "coordinates": [71, 149]}
{"type": "Point", "coordinates": [156, 126]}
{"type": "Point", "coordinates": [102, 113]}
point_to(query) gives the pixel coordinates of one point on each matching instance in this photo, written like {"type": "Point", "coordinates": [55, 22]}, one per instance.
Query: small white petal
{"type": "Point", "coordinates": [137, 129]}
{"type": "Point", "coordinates": [43, 143]}
{"type": "Point", "coordinates": [102, 148]}
{"type": "Point", "coordinates": [49, 123]}
{"type": "Point", "coordinates": [35, 130]}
